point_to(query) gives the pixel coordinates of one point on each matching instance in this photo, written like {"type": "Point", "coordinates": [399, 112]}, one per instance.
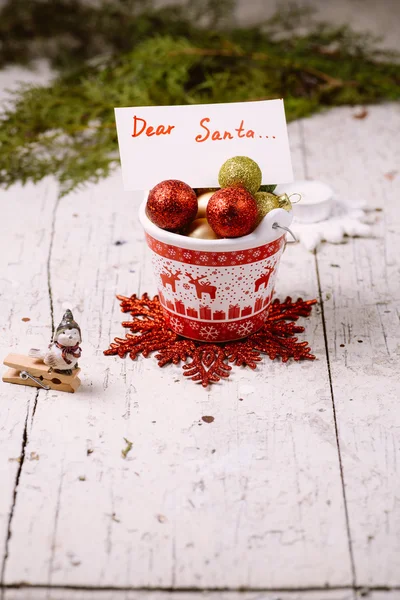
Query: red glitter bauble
{"type": "Point", "coordinates": [232, 212]}
{"type": "Point", "coordinates": [171, 205]}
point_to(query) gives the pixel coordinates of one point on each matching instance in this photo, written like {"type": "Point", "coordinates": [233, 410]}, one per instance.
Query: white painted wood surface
{"type": "Point", "coordinates": [57, 594]}
{"type": "Point", "coordinates": [254, 500]}
{"type": "Point", "coordinates": [27, 593]}
{"type": "Point", "coordinates": [362, 313]}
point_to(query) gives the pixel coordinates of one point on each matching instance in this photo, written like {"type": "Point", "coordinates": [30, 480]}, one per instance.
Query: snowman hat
{"type": "Point", "coordinates": [67, 322]}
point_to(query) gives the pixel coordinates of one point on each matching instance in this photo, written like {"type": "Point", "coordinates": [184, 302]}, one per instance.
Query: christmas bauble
{"type": "Point", "coordinates": [267, 188]}
{"type": "Point", "coordinates": [284, 202]}
{"type": "Point", "coordinates": [242, 171]}
{"type": "Point", "coordinates": [171, 205]}
{"type": "Point", "coordinates": [232, 212]}
{"type": "Point", "coordinates": [200, 229]}
{"type": "Point", "coordinates": [202, 202]}
{"type": "Point", "coordinates": [265, 203]}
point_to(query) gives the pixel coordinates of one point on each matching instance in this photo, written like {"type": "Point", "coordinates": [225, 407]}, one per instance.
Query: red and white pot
{"type": "Point", "coordinates": [217, 290]}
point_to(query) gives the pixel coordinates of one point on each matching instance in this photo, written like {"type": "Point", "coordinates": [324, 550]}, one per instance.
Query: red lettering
{"type": "Point", "coordinates": [150, 131]}
{"type": "Point", "coordinates": [240, 129]}
{"type": "Point", "coordinates": [216, 135]}
{"type": "Point", "coordinates": [161, 130]}
{"type": "Point", "coordinates": [199, 138]}
{"type": "Point", "coordinates": [135, 132]}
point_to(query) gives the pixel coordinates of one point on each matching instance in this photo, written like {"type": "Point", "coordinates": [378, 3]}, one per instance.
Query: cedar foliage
{"type": "Point", "coordinates": [125, 53]}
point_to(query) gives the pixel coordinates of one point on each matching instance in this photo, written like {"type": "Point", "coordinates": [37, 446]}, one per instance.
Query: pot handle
{"type": "Point", "coordinates": [275, 219]}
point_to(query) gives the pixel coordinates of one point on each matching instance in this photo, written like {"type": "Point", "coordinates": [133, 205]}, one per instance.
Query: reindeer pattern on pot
{"type": "Point", "coordinates": [170, 278]}
{"type": "Point", "coordinates": [221, 293]}
{"type": "Point", "coordinates": [264, 279]}
{"type": "Point", "coordinates": [202, 287]}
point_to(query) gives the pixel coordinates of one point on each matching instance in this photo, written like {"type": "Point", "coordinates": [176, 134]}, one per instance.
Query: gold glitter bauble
{"type": "Point", "coordinates": [202, 202]}
{"type": "Point", "coordinates": [265, 203]}
{"type": "Point", "coordinates": [284, 202]}
{"type": "Point", "coordinates": [240, 170]}
{"type": "Point", "coordinates": [201, 230]}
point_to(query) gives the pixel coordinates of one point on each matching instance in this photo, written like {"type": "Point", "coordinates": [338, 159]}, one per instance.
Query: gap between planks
{"type": "Point", "coordinates": [25, 434]}
{"type": "Point", "coordinates": [40, 592]}
{"type": "Point", "coordinates": [164, 589]}
{"type": "Point", "coordinates": [328, 366]}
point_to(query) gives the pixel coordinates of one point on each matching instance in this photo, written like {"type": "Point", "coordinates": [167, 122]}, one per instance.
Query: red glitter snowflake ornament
{"type": "Point", "coordinates": [208, 363]}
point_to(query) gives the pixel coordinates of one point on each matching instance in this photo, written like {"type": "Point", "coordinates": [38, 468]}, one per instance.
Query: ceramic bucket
{"type": "Point", "coordinates": [216, 290]}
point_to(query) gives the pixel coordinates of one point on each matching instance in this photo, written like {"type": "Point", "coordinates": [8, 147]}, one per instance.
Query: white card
{"type": "Point", "coordinates": [190, 143]}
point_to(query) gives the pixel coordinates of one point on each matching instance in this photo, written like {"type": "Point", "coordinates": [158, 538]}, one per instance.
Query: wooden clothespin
{"type": "Point", "coordinates": [32, 371]}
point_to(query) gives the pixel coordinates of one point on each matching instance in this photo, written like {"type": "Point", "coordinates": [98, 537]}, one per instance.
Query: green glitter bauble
{"type": "Point", "coordinates": [265, 203]}
{"type": "Point", "coordinates": [268, 188]}
{"type": "Point", "coordinates": [240, 170]}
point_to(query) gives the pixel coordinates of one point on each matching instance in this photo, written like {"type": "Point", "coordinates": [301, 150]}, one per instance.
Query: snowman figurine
{"type": "Point", "coordinates": [64, 349]}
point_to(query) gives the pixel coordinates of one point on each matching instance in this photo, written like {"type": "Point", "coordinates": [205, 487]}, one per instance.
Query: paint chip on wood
{"type": "Point", "coordinates": [207, 419]}
{"type": "Point", "coordinates": [162, 518]}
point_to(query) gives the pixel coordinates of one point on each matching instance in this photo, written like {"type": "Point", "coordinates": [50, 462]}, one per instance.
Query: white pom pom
{"type": "Point", "coordinates": [353, 227]}
{"type": "Point", "coordinates": [356, 214]}
{"type": "Point", "coordinates": [333, 232]}
{"type": "Point", "coordinates": [310, 238]}
{"type": "Point", "coordinates": [349, 217]}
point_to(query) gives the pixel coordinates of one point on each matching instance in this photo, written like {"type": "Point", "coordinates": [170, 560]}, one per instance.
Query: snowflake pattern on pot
{"type": "Point", "coordinates": [209, 332]}
{"type": "Point", "coordinates": [245, 329]}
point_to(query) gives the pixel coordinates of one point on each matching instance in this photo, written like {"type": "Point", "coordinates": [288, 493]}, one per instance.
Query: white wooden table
{"type": "Point", "coordinates": [292, 492]}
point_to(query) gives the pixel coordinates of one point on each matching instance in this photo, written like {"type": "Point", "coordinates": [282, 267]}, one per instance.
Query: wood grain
{"type": "Point", "coordinates": [253, 499]}
{"type": "Point", "coordinates": [57, 594]}
{"type": "Point", "coordinates": [360, 284]}
{"type": "Point", "coordinates": [25, 231]}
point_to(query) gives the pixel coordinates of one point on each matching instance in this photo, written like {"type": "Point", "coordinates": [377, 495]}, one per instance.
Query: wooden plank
{"type": "Point", "coordinates": [252, 499]}
{"type": "Point", "coordinates": [25, 310]}
{"type": "Point", "coordinates": [25, 231]}
{"type": "Point", "coordinates": [382, 594]}
{"type": "Point", "coordinates": [361, 287]}
{"type": "Point", "coordinates": [64, 594]}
